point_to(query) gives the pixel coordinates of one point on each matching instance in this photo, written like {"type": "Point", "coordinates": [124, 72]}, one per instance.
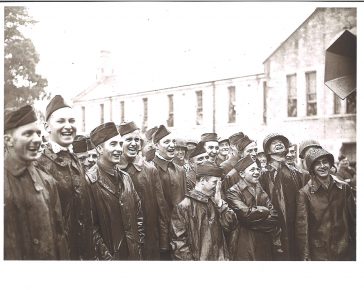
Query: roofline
{"type": "Point", "coordinates": [304, 22]}
{"type": "Point", "coordinates": [169, 88]}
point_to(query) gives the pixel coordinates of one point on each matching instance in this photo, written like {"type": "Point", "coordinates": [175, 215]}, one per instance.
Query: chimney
{"type": "Point", "coordinates": [105, 66]}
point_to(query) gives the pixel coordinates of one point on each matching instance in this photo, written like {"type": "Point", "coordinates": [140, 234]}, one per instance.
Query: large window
{"type": "Point", "coordinates": [145, 112]}
{"type": "Point", "coordinates": [232, 104]}
{"type": "Point", "coordinates": [337, 104]}
{"type": "Point", "coordinates": [351, 104]}
{"type": "Point", "coordinates": [170, 121]}
{"type": "Point", "coordinates": [292, 95]}
{"type": "Point", "coordinates": [102, 114]}
{"type": "Point", "coordinates": [311, 96]}
{"type": "Point", "coordinates": [199, 108]}
{"type": "Point", "coordinates": [265, 92]}
{"type": "Point", "coordinates": [122, 111]}
{"type": "Point", "coordinates": [83, 119]}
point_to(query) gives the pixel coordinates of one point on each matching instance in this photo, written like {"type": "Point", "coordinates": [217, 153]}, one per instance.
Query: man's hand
{"type": "Point", "coordinates": [217, 196]}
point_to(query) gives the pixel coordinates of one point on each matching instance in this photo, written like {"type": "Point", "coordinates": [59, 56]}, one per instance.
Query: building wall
{"type": "Point", "coordinates": [302, 52]}
{"type": "Point", "coordinates": [248, 94]}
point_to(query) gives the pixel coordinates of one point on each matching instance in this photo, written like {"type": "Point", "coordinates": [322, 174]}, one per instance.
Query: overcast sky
{"type": "Point", "coordinates": [157, 45]}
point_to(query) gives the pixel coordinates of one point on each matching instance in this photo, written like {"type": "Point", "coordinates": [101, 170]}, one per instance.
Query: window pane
{"type": "Point", "coordinates": [199, 108]}
{"type": "Point", "coordinates": [122, 111]}
{"type": "Point", "coordinates": [292, 96]}
{"type": "Point", "coordinates": [311, 109]}
{"type": "Point", "coordinates": [170, 120]}
{"type": "Point", "coordinates": [232, 104]}
{"type": "Point", "coordinates": [292, 107]}
{"type": "Point", "coordinates": [102, 113]}
{"type": "Point", "coordinates": [351, 104]}
{"type": "Point", "coordinates": [337, 104]}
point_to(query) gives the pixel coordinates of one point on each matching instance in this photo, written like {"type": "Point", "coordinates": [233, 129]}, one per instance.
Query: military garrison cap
{"type": "Point", "coordinates": [244, 163]}
{"type": "Point", "coordinates": [200, 149]}
{"type": "Point", "coordinates": [160, 133]}
{"type": "Point", "coordinates": [206, 137]}
{"type": "Point", "coordinates": [127, 127]}
{"type": "Point", "coordinates": [15, 118]}
{"type": "Point", "coordinates": [56, 103]}
{"type": "Point", "coordinates": [80, 145]}
{"type": "Point", "coordinates": [235, 137]}
{"type": "Point", "coordinates": [243, 142]}
{"type": "Point", "coordinates": [209, 169]}
{"type": "Point", "coordinates": [103, 133]}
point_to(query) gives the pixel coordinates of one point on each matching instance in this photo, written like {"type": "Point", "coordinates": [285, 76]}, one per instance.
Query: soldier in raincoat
{"type": "Point", "coordinates": [199, 221]}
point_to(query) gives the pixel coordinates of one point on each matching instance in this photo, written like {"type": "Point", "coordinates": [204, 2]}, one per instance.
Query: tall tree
{"type": "Point", "coordinates": [22, 84]}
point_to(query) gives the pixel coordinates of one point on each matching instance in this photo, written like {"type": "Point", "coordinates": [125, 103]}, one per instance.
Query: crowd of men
{"type": "Point", "coordinates": [121, 194]}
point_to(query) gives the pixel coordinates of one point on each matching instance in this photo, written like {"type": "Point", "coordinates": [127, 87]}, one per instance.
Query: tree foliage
{"type": "Point", "coordinates": [22, 85]}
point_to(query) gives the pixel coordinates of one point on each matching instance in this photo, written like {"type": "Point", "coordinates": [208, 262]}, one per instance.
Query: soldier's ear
{"type": "Point", "coordinates": [47, 127]}
{"type": "Point", "coordinates": [8, 140]}
{"type": "Point", "coordinates": [99, 149]}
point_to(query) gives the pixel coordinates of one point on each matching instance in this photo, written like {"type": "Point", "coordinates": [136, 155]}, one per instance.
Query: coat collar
{"type": "Point", "coordinates": [197, 195]}
{"type": "Point", "coordinates": [49, 153]}
{"type": "Point", "coordinates": [103, 180]}
{"type": "Point", "coordinates": [244, 185]}
{"type": "Point", "coordinates": [14, 168]}
{"type": "Point", "coordinates": [315, 184]}
{"type": "Point", "coordinates": [17, 170]}
{"type": "Point", "coordinates": [162, 163]}
{"type": "Point", "coordinates": [137, 163]}
{"type": "Point", "coordinates": [56, 148]}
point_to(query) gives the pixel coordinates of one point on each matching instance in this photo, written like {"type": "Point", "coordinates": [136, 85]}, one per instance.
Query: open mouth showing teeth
{"type": "Point", "coordinates": [66, 133]}
{"type": "Point", "coordinates": [33, 149]}
{"type": "Point", "coordinates": [170, 150]}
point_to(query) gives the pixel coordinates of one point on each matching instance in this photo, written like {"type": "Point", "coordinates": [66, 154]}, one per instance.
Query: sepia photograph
{"type": "Point", "coordinates": [144, 137]}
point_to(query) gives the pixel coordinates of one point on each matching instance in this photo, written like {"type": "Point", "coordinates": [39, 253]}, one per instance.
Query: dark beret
{"type": "Point", "coordinates": [209, 169]}
{"type": "Point", "coordinates": [149, 133]}
{"type": "Point", "coordinates": [103, 133]}
{"type": "Point", "coordinates": [200, 149]}
{"type": "Point", "coordinates": [206, 137]}
{"type": "Point", "coordinates": [18, 117]}
{"type": "Point", "coordinates": [243, 142]}
{"type": "Point", "coordinates": [161, 132]}
{"type": "Point", "coordinates": [127, 127]}
{"type": "Point", "coordinates": [56, 103]}
{"type": "Point", "coordinates": [244, 163]}
{"type": "Point", "coordinates": [235, 137]}
{"type": "Point", "coordinates": [80, 145]}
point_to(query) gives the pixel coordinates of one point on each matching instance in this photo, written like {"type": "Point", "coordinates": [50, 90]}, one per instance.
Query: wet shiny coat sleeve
{"type": "Point", "coordinates": [179, 235]}
{"type": "Point", "coordinates": [228, 219]}
{"type": "Point", "coordinates": [245, 214]}
{"type": "Point", "coordinates": [164, 219]}
{"type": "Point", "coordinates": [101, 250]}
{"type": "Point", "coordinates": [302, 227]}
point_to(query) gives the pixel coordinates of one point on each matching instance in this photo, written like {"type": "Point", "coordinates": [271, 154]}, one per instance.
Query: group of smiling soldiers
{"type": "Point", "coordinates": [120, 194]}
